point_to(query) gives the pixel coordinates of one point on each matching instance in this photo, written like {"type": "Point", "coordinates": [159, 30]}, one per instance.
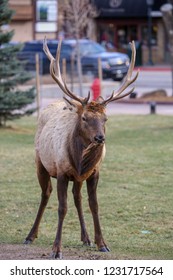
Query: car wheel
{"type": "Point", "coordinates": [119, 79]}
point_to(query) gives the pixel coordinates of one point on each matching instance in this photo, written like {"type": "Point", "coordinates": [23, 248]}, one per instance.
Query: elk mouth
{"type": "Point", "coordinates": [95, 143]}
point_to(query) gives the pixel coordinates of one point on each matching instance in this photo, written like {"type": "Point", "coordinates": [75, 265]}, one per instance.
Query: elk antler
{"type": "Point", "coordinates": [56, 73]}
{"type": "Point", "coordinates": [127, 80]}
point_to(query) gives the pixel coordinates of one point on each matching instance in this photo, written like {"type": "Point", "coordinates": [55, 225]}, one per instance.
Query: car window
{"type": "Point", "coordinates": [66, 50]}
{"type": "Point", "coordinates": [91, 48]}
{"type": "Point", "coordinates": [33, 47]}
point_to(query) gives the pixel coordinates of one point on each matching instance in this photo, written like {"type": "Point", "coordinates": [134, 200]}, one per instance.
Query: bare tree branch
{"type": "Point", "coordinates": [78, 15]}
{"type": "Point", "coordinates": [167, 12]}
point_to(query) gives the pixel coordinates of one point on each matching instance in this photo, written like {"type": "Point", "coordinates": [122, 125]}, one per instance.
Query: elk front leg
{"type": "Point", "coordinates": [92, 195]}
{"type": "Point", "coordinates": [78, 203]}
{"type": "Point", "coordinates": [62, 185]}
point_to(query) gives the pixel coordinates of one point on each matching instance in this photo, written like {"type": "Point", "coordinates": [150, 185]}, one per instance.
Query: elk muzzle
{"type": "Point", "coordinates": [99, 138]}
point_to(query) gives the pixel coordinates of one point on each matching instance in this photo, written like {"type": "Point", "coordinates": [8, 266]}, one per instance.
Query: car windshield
{"type": "Point", "coordinates": [91, 48]}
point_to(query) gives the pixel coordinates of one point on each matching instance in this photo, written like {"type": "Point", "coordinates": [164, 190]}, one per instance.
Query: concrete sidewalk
{"type": "Point", "coordinates": [138, 109]}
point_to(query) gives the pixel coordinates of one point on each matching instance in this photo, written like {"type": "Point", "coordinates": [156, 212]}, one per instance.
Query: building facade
{"type": "Point", "coordinates": [118, 22]}
{"type": "Point", "coordinates": [22, 21]}
{"type": "Point", "coordinates": [121, 21]}
{"type": "Point", "coordinates": [34, 19]}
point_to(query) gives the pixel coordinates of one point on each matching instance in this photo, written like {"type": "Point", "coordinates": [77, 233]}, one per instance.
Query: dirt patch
{"type": "Point", "coordinates": [32, 252]}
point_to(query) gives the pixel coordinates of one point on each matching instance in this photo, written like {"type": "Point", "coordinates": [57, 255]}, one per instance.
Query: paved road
{"type": "Point", "coordinates": [149, 79]}
{"type": "Point", "coordinates": [138, 109]}
{"type": "Point", "coordinates": [127, 109]}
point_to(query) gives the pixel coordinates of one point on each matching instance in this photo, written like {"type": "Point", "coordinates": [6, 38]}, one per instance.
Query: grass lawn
{"type": "Point", "coordinates": [135, 190]}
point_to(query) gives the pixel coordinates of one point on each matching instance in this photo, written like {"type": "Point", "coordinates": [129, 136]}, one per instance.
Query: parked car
{"type": "Point", "coordinates": [114, 64]}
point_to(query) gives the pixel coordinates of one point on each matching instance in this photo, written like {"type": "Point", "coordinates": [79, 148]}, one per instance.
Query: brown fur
{"type": "Point", "coordinates": [95, 107]}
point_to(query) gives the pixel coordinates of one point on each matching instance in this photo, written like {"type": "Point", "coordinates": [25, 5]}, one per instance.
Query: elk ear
{"type": "Point", "coordinates": [72, 105]}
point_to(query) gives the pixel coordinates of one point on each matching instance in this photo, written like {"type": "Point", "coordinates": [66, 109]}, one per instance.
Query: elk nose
{"type": "Point", "coordinates": [99, 139]}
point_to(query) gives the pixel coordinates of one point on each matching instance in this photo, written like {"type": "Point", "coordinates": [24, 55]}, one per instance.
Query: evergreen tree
{"type": "Point", "coordinates": [13, 100]}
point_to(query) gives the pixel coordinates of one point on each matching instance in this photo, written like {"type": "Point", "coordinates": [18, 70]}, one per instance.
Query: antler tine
{"type": "Point", "coordinates": [125, 94]}
{"type": "Point", "coordinates": [88, 97]}
{"type": "Point", "coordinates": [46, 50]}
{"type": "Point", "coordinates": [83, 101]}
{"type": "Point", "coordinates": [56, 73]}
{"type": "Point", "coordinates": [58, 78]}
{"type": "Point", "coordinates": [127, 80]}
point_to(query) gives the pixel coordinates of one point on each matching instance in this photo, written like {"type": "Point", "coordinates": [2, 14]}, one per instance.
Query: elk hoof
{"type": "Point", "coordinates": [56, 256]}
{"type": "Point", "coordinates": [87, 243]}
{"type": "Point", "coordinates": [104, 249]}
{"type": "Point", "coordinates": [27, 242]}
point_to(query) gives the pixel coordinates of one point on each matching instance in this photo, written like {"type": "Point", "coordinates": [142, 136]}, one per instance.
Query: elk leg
{"type": "Point", "coordinates": [62, 185]}
{"type": "Point", "coordinates": [46, 186]}
{"type": "Point", "coordinates": [92, 195]}
{"type": "Point", "coordinates": [78, 203]}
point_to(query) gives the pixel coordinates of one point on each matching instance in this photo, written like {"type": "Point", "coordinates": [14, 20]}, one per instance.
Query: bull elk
{"type": "Point", "coordinates": [70, 145]}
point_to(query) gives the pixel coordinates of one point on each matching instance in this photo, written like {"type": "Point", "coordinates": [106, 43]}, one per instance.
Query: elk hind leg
{"type": "Point", "coordinates": [46, 186]}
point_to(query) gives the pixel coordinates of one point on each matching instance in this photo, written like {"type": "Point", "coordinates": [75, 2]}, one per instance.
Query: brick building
{"type": "Point", "coordinates": [22, 21]}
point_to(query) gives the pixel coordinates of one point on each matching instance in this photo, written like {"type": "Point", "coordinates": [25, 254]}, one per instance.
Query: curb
{"type": "Point", "coordinates": [154, 68]}
{"type": "Point", "coordinates": [145, 102]}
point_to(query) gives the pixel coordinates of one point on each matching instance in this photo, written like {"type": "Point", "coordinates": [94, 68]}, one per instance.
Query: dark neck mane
{"type": "Point", "coordinates": [83, 158]}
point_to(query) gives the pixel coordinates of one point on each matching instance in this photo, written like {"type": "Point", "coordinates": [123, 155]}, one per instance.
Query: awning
{"type": "Point", "coordinates": [127, 8]}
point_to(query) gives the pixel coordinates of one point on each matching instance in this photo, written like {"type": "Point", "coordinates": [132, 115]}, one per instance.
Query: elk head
{"type": "Point", "coordinates": [92, 123]}
{"type": "Point", "coordinates": [91, 114]}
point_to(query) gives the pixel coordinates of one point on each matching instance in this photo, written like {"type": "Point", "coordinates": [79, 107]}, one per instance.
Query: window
{"type": "Point", "coordinates": [144, 32]}
{"type": "Point", "coordinates": [107, 35]}
{"type": "Point", "coordinates": [46, 15]}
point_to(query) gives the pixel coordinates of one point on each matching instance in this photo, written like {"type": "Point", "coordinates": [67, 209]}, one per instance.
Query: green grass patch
{"type": "Point", "coordinates": [135, 190]}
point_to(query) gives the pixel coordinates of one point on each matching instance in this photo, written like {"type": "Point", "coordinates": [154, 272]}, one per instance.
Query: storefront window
{"type": "Point", "coordinates": [46, 15]}
{"type": "Point", "coordinates": [126, 34]}
{"type": "Point", "coordinates": [107, 36]}
{"type": "Point", "coordinates": [117, 36]}
{"type": "Point", "coordinates": [144, 33]}
{"type": "Point", "coordinates": [122, 34]}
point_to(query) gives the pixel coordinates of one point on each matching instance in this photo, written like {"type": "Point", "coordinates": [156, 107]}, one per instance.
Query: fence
{"type": "Point", "coordinates": [28, 58]}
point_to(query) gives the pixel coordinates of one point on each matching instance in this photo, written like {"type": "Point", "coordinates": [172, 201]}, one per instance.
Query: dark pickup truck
{"type": "Point", "coordinates": [114, 64]}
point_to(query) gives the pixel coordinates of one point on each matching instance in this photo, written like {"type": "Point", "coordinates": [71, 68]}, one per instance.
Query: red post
{"type": "Point", "coordinates": [96, 88]}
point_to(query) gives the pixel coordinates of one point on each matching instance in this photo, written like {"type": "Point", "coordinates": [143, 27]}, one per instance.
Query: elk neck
{"type": "Point", "coordinates": [83, 154]}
